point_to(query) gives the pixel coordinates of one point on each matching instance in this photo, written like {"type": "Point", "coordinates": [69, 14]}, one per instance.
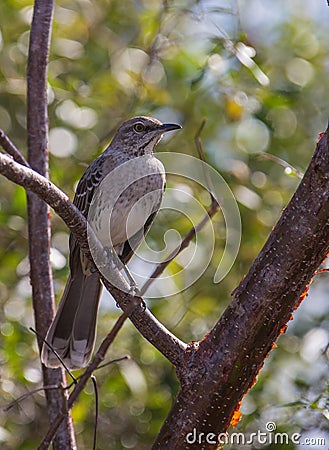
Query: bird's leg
{"type": "Point", "coordinates": [114, 259]}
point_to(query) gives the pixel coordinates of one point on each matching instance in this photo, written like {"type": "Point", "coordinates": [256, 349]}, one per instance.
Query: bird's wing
{"type": "Point", "coordinates": [131, 245]}
{"type": "Point", "coordinates": [89, 181]}
{"type": "Point", "coordinates": [87, 185]}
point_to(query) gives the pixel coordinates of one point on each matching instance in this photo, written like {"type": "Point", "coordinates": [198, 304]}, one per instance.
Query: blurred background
{"type": "Point", "coordinates": [258, 72]}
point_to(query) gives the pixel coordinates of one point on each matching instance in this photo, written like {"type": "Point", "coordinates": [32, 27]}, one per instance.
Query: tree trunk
{"type": "Point", "coordinates": [224, 366]}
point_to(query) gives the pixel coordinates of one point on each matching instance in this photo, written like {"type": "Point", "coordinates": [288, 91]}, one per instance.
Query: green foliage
{"type": "Point", "coordinates": [110, 61]}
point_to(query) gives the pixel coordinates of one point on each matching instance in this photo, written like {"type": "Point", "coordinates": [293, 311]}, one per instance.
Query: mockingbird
{"type": "Point", "coordinates": [72, 332]}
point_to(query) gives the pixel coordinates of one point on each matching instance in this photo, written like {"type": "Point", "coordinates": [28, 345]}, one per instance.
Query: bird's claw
{"type": "Point", "coordinates": [134, 291]}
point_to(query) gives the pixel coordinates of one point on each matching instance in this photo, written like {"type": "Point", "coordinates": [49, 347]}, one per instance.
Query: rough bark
{"type": "Point", "coordinates": [225, 365]}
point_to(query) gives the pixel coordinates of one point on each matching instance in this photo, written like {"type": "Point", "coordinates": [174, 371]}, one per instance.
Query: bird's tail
{"type": "Point", "coordinates": [72, 332]}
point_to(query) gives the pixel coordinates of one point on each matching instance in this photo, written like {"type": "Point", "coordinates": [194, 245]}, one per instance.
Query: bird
{"type": "Point", "coordinates": [72, 332]}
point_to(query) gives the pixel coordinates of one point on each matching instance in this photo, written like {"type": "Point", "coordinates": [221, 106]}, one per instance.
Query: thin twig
{"type": "Point", "coordinates": [202, 156]}
{"type": "Point", "coordinates": [123, 358]}
{"type": "Point", "coordinates": [184, 243]}
{"type": "Point", "coordinates": [11, 149]}
{"type": "Point", "coordinates": [29, 394]}
{"type": "Point", "coordinates": [56, 386]}
{"type": "Point", "coordinates": [282, 163]}
{"type": "Point", "coordinates": [55, 353]}
{"type": "Point", "coordinates": [201, 153]}
{"type": "Point", "coordinates": [93, 379]}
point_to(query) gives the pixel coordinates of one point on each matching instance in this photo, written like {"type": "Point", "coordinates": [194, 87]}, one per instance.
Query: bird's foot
{"type": "Point", "coordinates": [134, 290]}
{"type": "Point", "coordinates": [114, 259]}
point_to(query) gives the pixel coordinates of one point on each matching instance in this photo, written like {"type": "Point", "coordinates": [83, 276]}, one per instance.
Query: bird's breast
{"type": "Point", "coordinates": [126, 198]}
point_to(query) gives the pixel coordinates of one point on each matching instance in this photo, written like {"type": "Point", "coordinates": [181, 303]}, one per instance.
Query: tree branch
{"type": "Point", "coordinates": [168, 344]}
{"type": "Point", "coordinates": [225, 364]}
{"type": "Point", "coordinates": [11, 149]}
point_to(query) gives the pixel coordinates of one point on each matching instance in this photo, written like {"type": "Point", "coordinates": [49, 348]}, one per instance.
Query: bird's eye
{"type": "Point", "coordinates": [139, 127]}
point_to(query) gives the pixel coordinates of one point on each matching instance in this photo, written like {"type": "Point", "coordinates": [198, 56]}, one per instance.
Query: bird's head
{"type": "Point", "coordinates": [139, 136]}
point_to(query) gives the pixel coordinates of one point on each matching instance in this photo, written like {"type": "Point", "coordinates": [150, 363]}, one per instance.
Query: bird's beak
{"type": "Point", "coordinates": [169, 127]}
